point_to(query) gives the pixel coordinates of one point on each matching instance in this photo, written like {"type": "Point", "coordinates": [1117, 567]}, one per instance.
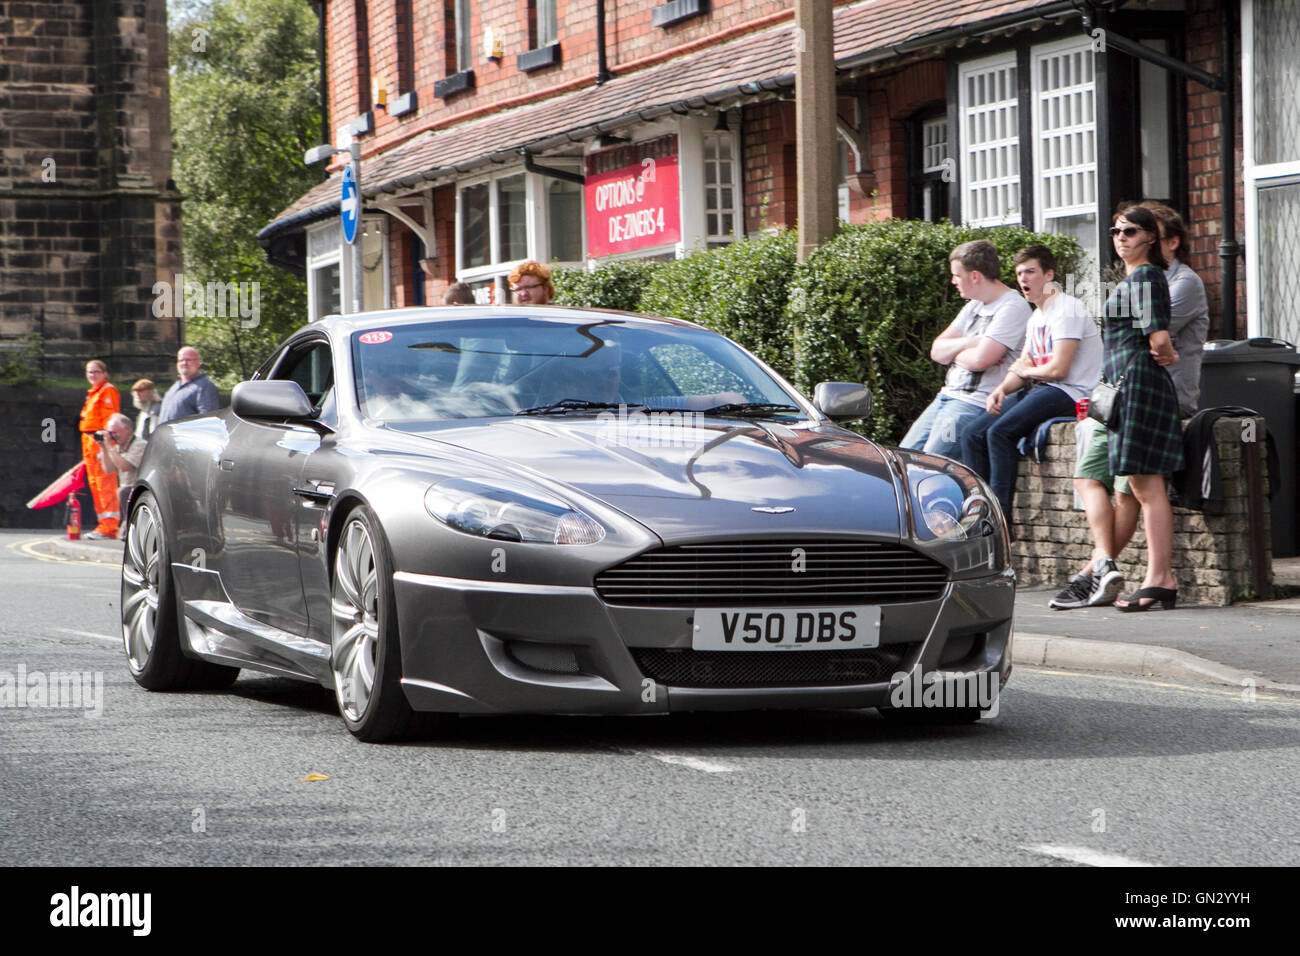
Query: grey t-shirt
{"type": "Point", "coordinates": [1003, 320]}
{"type": "Point", "coordinates": [1189, 322]}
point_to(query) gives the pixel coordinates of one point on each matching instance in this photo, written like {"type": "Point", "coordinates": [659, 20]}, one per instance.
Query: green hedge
{"type": "Point", "coordinates": [864, 307]}
{"type": "Point", "coordinates": [740, 290]}
{"type": "Point", "coordinates": [615, 285]}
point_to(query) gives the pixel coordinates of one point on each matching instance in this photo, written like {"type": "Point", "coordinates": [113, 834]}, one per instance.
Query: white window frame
{"type": "Point", "coordinates": [1085, 129]}
{"type": "Point", "coordinates": [323, 244]}
{"type": "Point", "coordinates": [1010, 180]}
{"type": "Point", "coordinates": [737, 219]}
{"type": "Point", "coordinates": [537, 228]}
{"type": "Point", "coordinates": [931, 161]}
{"type": "Point", "coordinates": [1255, 176]}
{"type": "Point", "coordinates": [495, 269]}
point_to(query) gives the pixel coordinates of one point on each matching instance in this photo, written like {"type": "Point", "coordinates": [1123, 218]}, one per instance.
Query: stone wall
{"type": "Point", "coordinates": [1211, 552]}
{"type": "Point", "coordinates": [89, 218]}
{"type": "Point", "coordinates": [39, 442]}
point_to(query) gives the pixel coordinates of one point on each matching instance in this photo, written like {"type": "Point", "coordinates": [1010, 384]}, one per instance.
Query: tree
{"type": "Point", "coordinates": [244, 93]}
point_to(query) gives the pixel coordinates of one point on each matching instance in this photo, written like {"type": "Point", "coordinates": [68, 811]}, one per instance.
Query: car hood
{"type": "Point", "coordinates": [686, 476]}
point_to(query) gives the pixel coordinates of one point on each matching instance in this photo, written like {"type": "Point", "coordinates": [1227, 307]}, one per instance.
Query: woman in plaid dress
{"type": "Point", "coordinates": [1147, 442]}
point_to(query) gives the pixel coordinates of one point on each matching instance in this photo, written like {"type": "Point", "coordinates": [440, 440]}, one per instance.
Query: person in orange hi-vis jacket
{"type": "Point", "coordinates": [102, 401]}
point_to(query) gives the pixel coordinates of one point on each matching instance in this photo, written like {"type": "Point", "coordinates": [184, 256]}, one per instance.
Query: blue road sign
{"type": "Point", "coordinates": [350, 205]}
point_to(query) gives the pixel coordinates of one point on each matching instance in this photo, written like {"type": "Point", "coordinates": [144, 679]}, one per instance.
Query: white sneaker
{"type": "Point", "coordinates": [1107, 582]}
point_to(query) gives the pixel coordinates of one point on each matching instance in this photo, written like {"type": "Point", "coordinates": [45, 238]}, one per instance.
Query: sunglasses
{"type": "Point", "coordinates": [1129, 231]}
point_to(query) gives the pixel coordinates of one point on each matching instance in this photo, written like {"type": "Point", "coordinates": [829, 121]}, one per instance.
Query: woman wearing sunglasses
{"type": "Point", "coordinates": [1147, 443]}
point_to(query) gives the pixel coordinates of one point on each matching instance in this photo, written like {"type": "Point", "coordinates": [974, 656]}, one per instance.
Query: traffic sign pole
{"type": "Point", "coordinates": [350, 218]}
{"type": "Point", "coordinates": [358, 292]}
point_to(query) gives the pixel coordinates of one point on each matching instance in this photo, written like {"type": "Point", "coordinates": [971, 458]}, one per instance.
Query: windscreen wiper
{"type": "Point", "coordinates": [749, 409]}
{"type": "Point", "coordinates": [567, 405]}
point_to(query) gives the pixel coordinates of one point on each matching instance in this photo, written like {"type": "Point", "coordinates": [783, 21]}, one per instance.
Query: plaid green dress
{"type": "Point", "coordinates": [1148, 440]}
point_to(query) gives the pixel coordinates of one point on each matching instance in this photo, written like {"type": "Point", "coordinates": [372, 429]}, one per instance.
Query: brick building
{"type": "Point", "coordinates": [506, 130]}
{"type": "Point", "coordinates": [89, 219]}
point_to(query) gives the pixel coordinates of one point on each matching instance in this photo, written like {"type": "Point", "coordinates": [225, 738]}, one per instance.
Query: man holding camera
{"type": "Point", "coordinates": [120, 452]}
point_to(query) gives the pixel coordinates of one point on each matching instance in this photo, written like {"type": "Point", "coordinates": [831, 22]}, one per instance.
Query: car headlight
{"type": "Point", "coordinates": [954, 513]}
{"type": "Point", "coordinates": [509, 511]}
{"type": "Point", "coordinates": [950, 505]}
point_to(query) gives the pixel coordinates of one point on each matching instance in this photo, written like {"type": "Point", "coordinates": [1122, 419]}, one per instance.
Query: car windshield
{"type": "Point", "coordinates": [515, 365]}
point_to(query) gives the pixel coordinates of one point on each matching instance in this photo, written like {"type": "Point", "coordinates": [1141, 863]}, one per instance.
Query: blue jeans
{"type": "Point", "coordinates": [939, 429]}
{"type": "Point", "coordinates": [988, 444]}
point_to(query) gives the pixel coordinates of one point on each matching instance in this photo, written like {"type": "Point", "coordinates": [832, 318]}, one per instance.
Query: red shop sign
{"type": "Point", "coordinates": [634, 207]}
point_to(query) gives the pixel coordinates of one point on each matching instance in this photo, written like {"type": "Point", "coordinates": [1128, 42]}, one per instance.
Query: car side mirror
{"type": "Point", "coordinates": [278, 400]}
{"type": "Point", "coordinates": [843, 401]}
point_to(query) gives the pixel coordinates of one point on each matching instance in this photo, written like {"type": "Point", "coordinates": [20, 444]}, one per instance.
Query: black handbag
{"type": "Point", "coordinates": [1103, 403]}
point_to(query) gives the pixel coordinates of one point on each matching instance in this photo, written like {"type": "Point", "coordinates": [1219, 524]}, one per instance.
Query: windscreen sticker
{"type": "Point", "coordinates": [375, 338]}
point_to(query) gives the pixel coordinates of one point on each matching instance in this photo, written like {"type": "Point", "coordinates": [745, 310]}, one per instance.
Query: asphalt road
{"type": "Point", "coordinates": [1075, 769]}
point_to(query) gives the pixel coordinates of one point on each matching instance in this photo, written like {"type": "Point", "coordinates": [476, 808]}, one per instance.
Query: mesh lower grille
{"type": "Point", "coordinates": [774, 574]}
{"type": "Point", "coordinates": [683, 667]}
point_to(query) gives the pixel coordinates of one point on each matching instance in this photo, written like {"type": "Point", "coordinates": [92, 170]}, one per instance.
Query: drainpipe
{"type": "Point", "coordinates": [1225, 83]}
{"type": "Point", "coordinates": [1228, 247]}
{"type": "Point", "coordinates": [602, 65]}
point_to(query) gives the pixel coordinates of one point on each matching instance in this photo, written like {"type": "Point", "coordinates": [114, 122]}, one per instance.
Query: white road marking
{"type": "Point", "coordinates": [1081, 854]}
{"type": "Point", "coordinates": [682, 760]}
{"type": "Point", "coordinates": [101, 637]}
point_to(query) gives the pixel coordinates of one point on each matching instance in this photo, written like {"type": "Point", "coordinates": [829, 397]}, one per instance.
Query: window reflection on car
{"type": "Point", "coordinates": [495, 367]}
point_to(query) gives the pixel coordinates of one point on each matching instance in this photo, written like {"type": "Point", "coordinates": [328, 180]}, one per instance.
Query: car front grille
{"type": "Point", "coordinates": [683, 667]}
{"type": "Point", "coordinates": [773, 574]}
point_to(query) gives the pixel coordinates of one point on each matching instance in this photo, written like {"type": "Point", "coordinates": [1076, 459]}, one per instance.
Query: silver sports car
{"type": "Point", "coordinates": [546, 510]}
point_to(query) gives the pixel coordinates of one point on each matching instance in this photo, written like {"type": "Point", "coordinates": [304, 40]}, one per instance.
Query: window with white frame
{"type": "Point", "coordinates": [324, 275]}
{"type": "Point", "coordinates": [990, 142]}
{"type": "Point", "coordinates": [329, 269]}
{"type": "Point", "coordinates": [1063, 98]}
{"type": "Point", "coordinates": [934, 145]}
{"type": "Point", "coordinates": [720, 215]}
{"type": "Point", "coordinates": [930, 168]}
{"type": "Point", "coordinates": [1270, 44]}
{"type": "Point", "coordinates": [512, 218]}
{"type": "Point", "coordinates": [508, 219]}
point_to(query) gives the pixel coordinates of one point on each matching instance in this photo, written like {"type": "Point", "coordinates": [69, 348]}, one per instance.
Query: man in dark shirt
{"type": "Point", "coordinates": [194, 394]}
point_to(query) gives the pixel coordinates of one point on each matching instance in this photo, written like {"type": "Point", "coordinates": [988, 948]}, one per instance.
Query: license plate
{"type": "Point", "coordinates": [789, 629]}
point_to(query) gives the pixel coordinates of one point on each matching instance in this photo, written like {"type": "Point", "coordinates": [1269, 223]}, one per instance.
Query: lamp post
{"type": "Point", "coordinates": [348, 247]}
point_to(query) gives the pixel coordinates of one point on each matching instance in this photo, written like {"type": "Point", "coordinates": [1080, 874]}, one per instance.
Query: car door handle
{"type": "Point", "coordinates": [227, 464]}
{"type": "Point", "coordinates": [322, 492]}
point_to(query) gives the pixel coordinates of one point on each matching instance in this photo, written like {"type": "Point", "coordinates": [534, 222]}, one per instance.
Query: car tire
{"type": "Point", "coordinates": [151, 619]}
{"type": "Point", "coordinates": [365, 650]}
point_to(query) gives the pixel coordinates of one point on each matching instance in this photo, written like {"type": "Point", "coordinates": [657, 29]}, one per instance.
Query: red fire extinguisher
{"type": "Point", "coordinates": [74, 518]}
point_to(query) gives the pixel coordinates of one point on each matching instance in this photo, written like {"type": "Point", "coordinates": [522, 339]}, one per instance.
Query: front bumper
{"type": "Point", "coordinates": [471, 646]}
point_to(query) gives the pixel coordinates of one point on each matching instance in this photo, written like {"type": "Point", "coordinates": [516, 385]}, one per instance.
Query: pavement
{"type": "Point", "coordinates": [1253, 645]}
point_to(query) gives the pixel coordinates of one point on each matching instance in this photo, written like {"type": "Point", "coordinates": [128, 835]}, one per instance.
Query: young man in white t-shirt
{"type": "Point", "coordinates": [1060, 364]}
{"type": "Point", "coordinates": [978, 348]}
